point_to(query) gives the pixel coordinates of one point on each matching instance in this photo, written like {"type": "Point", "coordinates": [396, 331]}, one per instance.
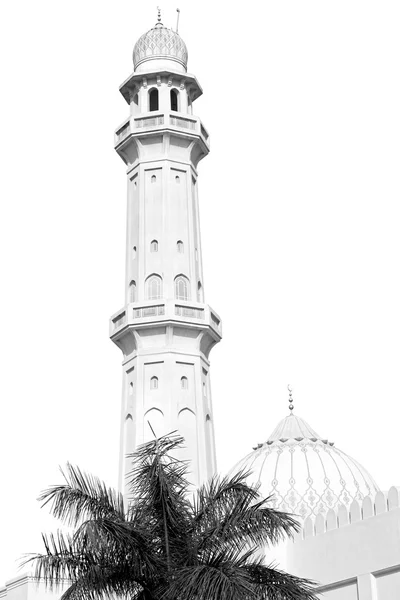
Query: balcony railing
{"type": "Point", "coordinates": [149, 311]}
{"type": "Point", "coordinates": [149, 121]}
{"type": "Point", "coordinates": [182, 122]}
{"type": "Point", "coordinates": [137, 314]}
{"type": "Point", "coordinates": [189, 311]}
{"type": "Point", "coordinates": [215, 320]}
{"type": "Point", "coordinates": [123, 132]}
{"type": "Point", "coordinates": [158, 120]}
{"type": "Point", "coordinates": [119, 320]}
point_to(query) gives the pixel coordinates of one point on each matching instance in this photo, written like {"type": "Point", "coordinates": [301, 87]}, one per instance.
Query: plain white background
{"type": "Point", "coordinates": [300, 227]}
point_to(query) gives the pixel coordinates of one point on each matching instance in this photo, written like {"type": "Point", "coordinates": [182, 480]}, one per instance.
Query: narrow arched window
{"type": "Point", "coordinates": [181, 288]}
{"type": "Point", "coordinates": [199, 291]}
{"type": "Point", "coordinates": [179, 246]}
{"type": "Point", "coordinates": [174, 100]}
{"type": "Point", "coordinates": [131, 388]}
{"type": "Point", "coordinates": [132, 291]}
{"type": "Point", "coordinates": [184, 383]}
{"type": "Point", "coordinates": [154, 287]}
{"type": "Point", "coordinates": [154, 246]}
{"type": "Point", "coordinates": [153, 100]}
{"type": "Point", "coordinates": [154, 383]}
{"type": "Point", "coordinates": [153, 179]}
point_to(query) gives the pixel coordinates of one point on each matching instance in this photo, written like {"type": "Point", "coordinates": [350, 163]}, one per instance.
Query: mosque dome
{"type": "Point", "coordinates": [160, 43]}
{"type": "Point", "coordinates": [303, 473]}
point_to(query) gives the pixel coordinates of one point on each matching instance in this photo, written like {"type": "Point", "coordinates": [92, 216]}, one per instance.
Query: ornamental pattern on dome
{"type": "Point", "coordinates": [305, 474]}
{"type": "Point", "coordinates": [160, 42]}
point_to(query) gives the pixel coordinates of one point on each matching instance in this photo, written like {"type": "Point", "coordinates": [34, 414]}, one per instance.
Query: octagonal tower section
{"type": "Point", "coordinates": [165, 329]}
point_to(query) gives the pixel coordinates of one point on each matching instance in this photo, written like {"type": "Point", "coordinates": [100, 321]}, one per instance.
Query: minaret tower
{"type": "Point", "coordinates": [165, 330]}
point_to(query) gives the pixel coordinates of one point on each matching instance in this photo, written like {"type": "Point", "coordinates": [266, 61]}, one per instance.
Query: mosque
{"type": "Point", "coordinates": [350, 529]}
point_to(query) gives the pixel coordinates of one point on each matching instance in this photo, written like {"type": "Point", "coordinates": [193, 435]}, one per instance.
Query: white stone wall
{"type": "Point", "coordinates": [355, 554]}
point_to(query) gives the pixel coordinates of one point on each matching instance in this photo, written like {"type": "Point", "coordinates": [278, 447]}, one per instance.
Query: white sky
{"type": "Point", "coordinates": [300, 216]}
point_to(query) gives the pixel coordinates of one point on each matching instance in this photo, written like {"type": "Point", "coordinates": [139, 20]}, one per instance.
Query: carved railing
{"type": "Point", "coordinates": [189, 311]}
{"type": "Point", "coordinates": [122, 132]}
{"type": "Point", "coordinates": [153, 121]}
{"type": "Point", "coordinates": [157, 120]}
{"type": "Point", "coordinates": [358, 511]}
{"type": "Point", "coordinates": [149, 311]}
{"type": "Point", "coordinates": [119, 320]}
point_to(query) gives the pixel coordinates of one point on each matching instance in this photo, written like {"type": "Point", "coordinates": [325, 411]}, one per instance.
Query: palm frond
{"type": "Point", "coordinates": [274, 584]}
{"type": "Point", "coordinates": [222, 577]}
{"type": "Point", "coordinates": [82, 496]}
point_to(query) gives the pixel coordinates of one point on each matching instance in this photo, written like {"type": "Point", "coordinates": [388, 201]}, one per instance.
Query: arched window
{"type": "Point", "coordinates": [154, 287]}
{"type": "Point", "coordinates": [153, 100]}
{"type": "Point", "coordinates": [154, 383]}
{"type": "Point", "coordinates": [131, 388]}
{"type": "Point", "coordinates": [177, 179]}
{"type": "Point", "coordinates": [184, 383]}
{"type": "Point", "coordinates": [132, 291]}
{"type": "Point", "coordinates": [153, 179]}
{"type": "Point", "coordinates": [179, 246]}
{"type": "Point", "coordinates": [134, 252]}
{"type": "Point", "coordinates": [204, 390]}
{"type": "Point", "coordinates": [181, 288]}
{"type": "Point", "coordinates": [174, 100]}
{"type": "Point", "coordinates": [154, 246]}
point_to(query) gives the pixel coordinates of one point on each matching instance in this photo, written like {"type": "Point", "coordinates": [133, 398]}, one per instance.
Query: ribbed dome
{"type": "Point", "coordinates": [160, 42]}
{"type": "Point", "coordinates": [304, 473]}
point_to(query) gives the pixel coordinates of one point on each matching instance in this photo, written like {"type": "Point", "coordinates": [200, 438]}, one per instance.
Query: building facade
{"type": "Point", "coordinates": [349, 542]}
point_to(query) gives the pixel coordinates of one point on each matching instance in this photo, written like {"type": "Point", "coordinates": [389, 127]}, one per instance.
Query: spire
{"type": "Point", "coordinates": [158, 24]}
{"type": "Point", "coordinates": [289, 387]}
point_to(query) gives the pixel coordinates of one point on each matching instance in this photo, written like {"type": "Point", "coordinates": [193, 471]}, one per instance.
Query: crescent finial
{"type": "Point", "coordinates": [289, 387]}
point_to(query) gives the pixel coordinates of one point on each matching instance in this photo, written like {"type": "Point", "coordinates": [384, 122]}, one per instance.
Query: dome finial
{"type": "Point", "coordinates": [289, 387]}
{"type": "Point", "coordinates": [158, 16]}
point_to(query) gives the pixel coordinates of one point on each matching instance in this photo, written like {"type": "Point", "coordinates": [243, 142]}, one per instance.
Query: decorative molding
{"type": "Point", "coordinates": [182, 85]}
{"type": "Point", "coordinates": [158, 80]}
{"type": "Point", "coordinates": [170, 82]}
{"type": "Point", "coordinates": [144, 82]}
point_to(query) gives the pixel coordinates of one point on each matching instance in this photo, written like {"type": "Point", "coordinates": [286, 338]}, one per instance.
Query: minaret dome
{"type": "Point", "coordinates": [161, 46]}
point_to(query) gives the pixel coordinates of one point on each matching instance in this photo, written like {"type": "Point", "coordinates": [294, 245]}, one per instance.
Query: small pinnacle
{"type": "Point", "coordinates": [290, 398]}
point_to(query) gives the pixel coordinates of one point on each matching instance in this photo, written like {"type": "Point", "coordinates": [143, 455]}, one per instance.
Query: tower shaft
{"type": "Point", "coordinates": [165, 330]}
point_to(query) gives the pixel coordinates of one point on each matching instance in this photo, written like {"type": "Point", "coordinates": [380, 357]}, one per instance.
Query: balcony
{"type": "Point", "coordinates": [148, 313]}
{"type": "Point", "coordinates": [155, 121]}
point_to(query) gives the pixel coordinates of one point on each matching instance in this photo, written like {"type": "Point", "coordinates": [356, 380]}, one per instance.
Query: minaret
{"type": "Point", "coordinates": [165, 330]}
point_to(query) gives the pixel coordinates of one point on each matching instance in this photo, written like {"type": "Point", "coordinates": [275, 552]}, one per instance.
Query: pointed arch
{"type": "Point", "coordinates": [174, 98]}
{"type": "Point", "coordinates": [132, 291]}
{"type": "Point", "coordinates": [154, 246]}
{"type": "Point", "coordinates": [154, 287]}
{"type": "Point", "coordinates": [182, 288]}
{"type": "Point", "coordinates": [153, 99]}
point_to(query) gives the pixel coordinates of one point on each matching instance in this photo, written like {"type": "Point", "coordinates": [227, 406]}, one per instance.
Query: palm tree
{"type": "Point", "coordinates": [165, 545]}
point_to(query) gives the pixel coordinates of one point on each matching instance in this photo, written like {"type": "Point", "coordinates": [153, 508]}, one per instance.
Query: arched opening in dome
{"type": "Point", "coordinates": [174, 100]}
{"type": "Point", "coordinates": [153, 100]}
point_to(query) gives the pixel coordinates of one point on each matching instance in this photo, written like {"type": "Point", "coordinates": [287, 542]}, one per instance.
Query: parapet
{"type": "Point", "coordinates": [343, 516]}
